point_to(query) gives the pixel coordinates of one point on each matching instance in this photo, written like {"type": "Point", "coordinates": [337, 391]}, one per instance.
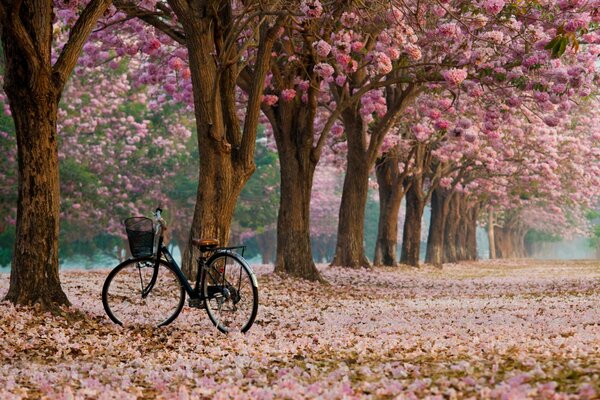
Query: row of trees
{"type": "Point", "coordinates": [468, 104]}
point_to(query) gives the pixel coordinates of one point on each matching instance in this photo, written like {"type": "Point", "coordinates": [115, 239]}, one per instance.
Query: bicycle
{"type": "Point", "coordinates": [151, 288]}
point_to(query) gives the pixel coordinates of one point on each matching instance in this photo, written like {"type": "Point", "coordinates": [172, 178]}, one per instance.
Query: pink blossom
{"type": "Point", "coordinates": [357, 46]}
{"type": "Point", "coordinates": [311, 8]}
{"type": "Point", "coordinates": [413, 51]}
{"type": "Point", "coordinates": [383, 64]}
{"type": "Point", "coordinates": [323, 48]}
{"type": "Point", "coordinates": [455, 76]}
{"type": "Point", "coordinates": [151, 46]}
{"type": "Point", "coordinates": [176, 63]}
{"type": "Point", "coordinates": [349, 19]}
{"type": "Point", "coordinates": [493, 6]}
{"type": "Point", "coordinates": [324, 70]}
{"type": "Point", "coordinates": [270, 99]}
{"type": "Point", "coordinates": [288, 94]}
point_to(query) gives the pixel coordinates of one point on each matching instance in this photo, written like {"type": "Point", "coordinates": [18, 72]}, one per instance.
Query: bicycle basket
{"type": "Point", "coordinates": [140, 233]}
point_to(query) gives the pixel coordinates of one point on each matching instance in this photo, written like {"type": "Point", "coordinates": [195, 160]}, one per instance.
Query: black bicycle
{"type": "Point", "coordinates": [150, 288]}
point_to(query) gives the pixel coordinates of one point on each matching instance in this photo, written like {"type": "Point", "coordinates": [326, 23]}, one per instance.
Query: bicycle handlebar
{"type": "Point", "coordinates": [158, 218]}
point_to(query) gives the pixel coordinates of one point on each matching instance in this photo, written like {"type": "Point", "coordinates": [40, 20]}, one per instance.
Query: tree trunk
{"type": "Point", "coordinates": [34, 275]}
{"type": "Point", "coordinates": [294, 252]}
{"type": "Point", "coordinates": [220, 184]}
{"type": "Point", "coordinates": [471, 246]}
{"type": "Point", "coordinates": [440, 200]}
{"type": "Point", "coordinates": [490, 230]}
{"type": "Point", "coordinates": [461, 233]}
{"type": "Point", "coordinates": [504, 242]}
{"type": "Point", "coordinates": [411, 238]}
{"type": "Point", "coordinates": [266, 244]}
{"type": "Point", "coordinates": [391, 191]}
{"type": "Point", "coordinates": [33, 87]}
{"type": "Point", "coordinates": [226, 148]}
{"type": "Point", "coordinates": [350, 250]}
{"type": "Point", "coordinates": [451, 231]}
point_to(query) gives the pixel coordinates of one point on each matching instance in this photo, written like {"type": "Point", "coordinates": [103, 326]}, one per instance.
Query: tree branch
{"type": "Point", "coordinates": [152, 18]}
{"type": "Point", "coordinates": [78, 36]}
{"type": "Point", "coordinates": [21, 36]}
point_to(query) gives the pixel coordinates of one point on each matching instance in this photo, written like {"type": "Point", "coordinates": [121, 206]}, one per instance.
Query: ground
{"type": "Point", "coordinates": [500, 330]}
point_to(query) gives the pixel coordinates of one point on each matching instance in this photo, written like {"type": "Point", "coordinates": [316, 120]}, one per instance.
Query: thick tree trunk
{"type": "Point", "coordinates": [411, 238]}
{"type": "Point", "coordinates": [461, 233]}
{"type": "Point", "coordinates": [490, 231]}
{"type": "Point", "coordinates": [33, 87]}
{"type": "Point", "coordinates": [34, 275]}
{"type": "Point", "coordinates": [451, 231]}
{"type": "Point", "coordinates": [226, 148]}
{"type": "Point", "coordinates": [518, 239]}
{"type": "Point", "coordinates": [471, 247]}
{"type": "Point", "coordinates": [294, 252]}
{"type": "Point", "coordinates": [266, 245]}
{"type": "Point", "coordinates": [391, 192]}
{"type": "Point", "coordinates": [504, 242]}
{"type": "Point", "coordinates": [350, 250]}
{"type": "Point", "coordinates": [221, 182]}
{"type": "Point", "coordinates": [440, 200]}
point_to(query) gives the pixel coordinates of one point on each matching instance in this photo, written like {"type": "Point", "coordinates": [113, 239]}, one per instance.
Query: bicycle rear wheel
{"type": "Point", "coordinates": [231, 293]}
{"type": "Point", "coordinates": [122, 293]}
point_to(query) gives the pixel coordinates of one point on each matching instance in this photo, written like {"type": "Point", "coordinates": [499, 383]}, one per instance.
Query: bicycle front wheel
{"type": "Point", "coordinates": [231, 293]}
{"type": "Point", "coordinates": [123, 299]}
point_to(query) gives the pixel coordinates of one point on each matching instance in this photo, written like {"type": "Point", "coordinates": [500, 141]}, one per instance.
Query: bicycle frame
{"type": "Point", "coordinates": [193, 293]}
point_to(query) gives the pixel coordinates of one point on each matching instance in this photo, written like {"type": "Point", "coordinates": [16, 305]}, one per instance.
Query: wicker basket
{"type": "Point", "coordinates": [140, 233]}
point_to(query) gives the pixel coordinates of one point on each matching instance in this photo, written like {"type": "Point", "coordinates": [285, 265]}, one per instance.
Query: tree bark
{"type": "Point", "coordinates": [350, 250]}
{"type": "Point", "coordinates": [471, 239]}
{"type": "Point", "coordinates": [411, 238]}
{"type": "Point", "coordinates": [361, 157]}
{"type": "Point", "coordinates": [33, 87]}
{"type": "Point", "coordinates": [293, 129]}
{"type": "Point", "coordinates": [294, 252]}
{"type": "Point", "coordinates": [391, 192]}
{"type": "Point", "coordinates": [503, 242]}
{"type": "Point", "coordinates": [461, 233]}
{"type": "Point", "coordinates": [451, 231]}
{"type": "Point", "coordinates": [491, 237]}
{"type": "Point", "coordinates": [440, 200]}
{"type": "Point", "coordinates": [226, 148]}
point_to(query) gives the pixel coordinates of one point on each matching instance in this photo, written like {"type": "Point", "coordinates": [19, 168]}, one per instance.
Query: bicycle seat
{"type": "Point", "coordinates": [205, 244]}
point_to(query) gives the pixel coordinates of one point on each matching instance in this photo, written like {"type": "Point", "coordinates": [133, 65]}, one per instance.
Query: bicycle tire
{"type": "Point", "coordinates": [231, 304]}
{"type": "Point", "coordinates": [122, 293]}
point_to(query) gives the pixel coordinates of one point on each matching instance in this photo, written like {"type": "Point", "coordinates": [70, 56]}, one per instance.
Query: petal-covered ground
{"type": "Point", "coordinates": [500, 330]}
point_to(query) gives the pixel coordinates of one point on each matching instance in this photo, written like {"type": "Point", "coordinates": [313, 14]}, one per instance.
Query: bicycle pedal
{"type": "Point", "coordinates": [196, 303]}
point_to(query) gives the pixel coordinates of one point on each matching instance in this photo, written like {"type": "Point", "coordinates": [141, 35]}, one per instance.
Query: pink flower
{"type": "Point", "coordinates": [175, 63]}
{"type": "Point", "coordinates": [393, 53]}
{"type": "Point", "coordinates": [270, 99]}
{"type": "Point", "coordinates": [311, 8]}
{"type": "Point", "coordinates": [455, 76]}
{"type": "Point", "coordinates": [446, 182]}
{"type": "Point", "coordinates": [151, 46]}
{"type": "Point", "coordinates": [349, 19]}
{"type": "Point", "coordinates": [324, 70]}
{"type": "Point", "coordinates": [323, 48]}
{"type": "Point", "coordinates": [414, 52]}
{"type": "Point", "coordinates": [493, 6]}
{"type": "Point", "coordinates": [357, 46]}
{"type": "Point", "coordinates": [383, 64]}
{"type": "Point", "coordinates": [288, 94]}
